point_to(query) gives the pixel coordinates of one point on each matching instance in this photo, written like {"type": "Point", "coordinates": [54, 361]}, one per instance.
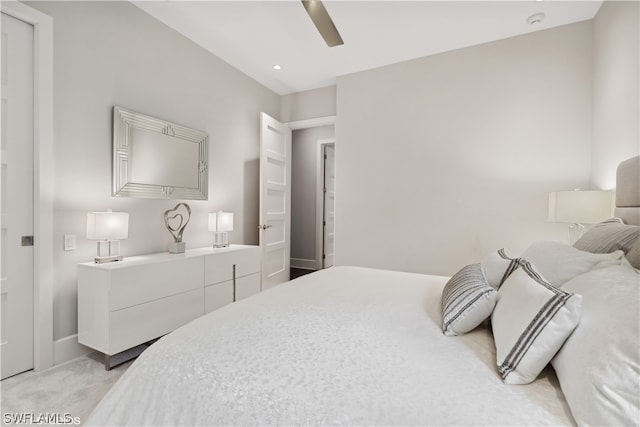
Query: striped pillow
{"type": "Point", "coordinates": [612, 235]}
{"type": "Point", "coordinates": [530, 322]}
{"type": "Point", "coordinates": [467, 301]}
{"type": "Point", "coordinates": [497, 267]}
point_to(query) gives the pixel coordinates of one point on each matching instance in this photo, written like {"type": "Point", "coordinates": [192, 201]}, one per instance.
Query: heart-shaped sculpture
{"type": "Point", "coordinates": [175, 221]}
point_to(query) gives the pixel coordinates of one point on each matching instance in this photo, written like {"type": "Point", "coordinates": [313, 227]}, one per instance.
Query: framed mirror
{"type": "Point", "coordinates": [156, 159]}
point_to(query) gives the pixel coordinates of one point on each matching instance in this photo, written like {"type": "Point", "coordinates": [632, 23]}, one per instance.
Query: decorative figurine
{"type": "Point", "coordinates": [173, 220]}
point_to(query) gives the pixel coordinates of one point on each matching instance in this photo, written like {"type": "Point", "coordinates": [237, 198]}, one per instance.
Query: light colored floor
{"type": "Point", "coordinates": [72, 389]}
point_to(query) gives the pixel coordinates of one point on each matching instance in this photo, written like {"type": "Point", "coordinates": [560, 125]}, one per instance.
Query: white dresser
{"type": "Point", "coordinates": [126, 303]}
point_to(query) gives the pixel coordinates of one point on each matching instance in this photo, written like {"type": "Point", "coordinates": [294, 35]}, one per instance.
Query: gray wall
{"type": "Point", "coordinates": [447, 158]}
{"type": "Point", "coordinates": [112, 53]}
{"type": "Point", "coordinates": [304, 170]}
{"type": "Point", "coordinates": [309, 104]}
{"type": "Point", "coordinates": [616, 89]}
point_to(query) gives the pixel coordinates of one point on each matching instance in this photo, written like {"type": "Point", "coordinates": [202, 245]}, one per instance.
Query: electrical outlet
{"type": "Point", "coordinates": [69, 242]}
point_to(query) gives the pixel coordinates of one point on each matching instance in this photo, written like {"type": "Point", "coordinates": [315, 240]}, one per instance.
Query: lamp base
{"type": "Point", "coordinates": [108, 251]}
{"type": "Point", "coordinates": [177, 247]}
{"type": "Point", "coordinates": [105, 259]}
{"type": "Point", "coordinates": [221, 239]}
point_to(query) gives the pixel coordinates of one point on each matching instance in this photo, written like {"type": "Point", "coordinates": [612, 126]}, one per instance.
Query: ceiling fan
{"type": "Point", "coordinates": [323, 22]}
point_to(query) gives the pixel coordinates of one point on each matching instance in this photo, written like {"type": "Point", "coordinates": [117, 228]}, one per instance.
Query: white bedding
{"type": "Point", "coordinates": [343, 346]}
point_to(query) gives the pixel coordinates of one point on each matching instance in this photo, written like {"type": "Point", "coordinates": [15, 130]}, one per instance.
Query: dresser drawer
{"type": "Point", "coordinates": [218, 295]}
{"type": "Point", "coordinates": [248, 262]}
{"type": "Point", "coordinates": [134, 325]}
{"type": "Point", "coordinates": [219, 267]}
{"type": "Point", "coordinates": [142, 283]}
{"type": "Point", "coordinates": [247, 286]}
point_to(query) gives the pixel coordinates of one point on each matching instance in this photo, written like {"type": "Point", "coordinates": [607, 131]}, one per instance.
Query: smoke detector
{"type": "Point", "coordinates": [535, 19]}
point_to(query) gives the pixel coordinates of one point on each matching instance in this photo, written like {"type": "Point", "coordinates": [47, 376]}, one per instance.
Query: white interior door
{"type": "Point", "coordinates": [275, 200]}
{"type": "Point", "coordinates": [16, 209]}
{"type": "Point", "coordinates": [329, 204]}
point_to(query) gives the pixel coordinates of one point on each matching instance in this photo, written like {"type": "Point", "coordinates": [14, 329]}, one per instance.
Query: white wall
{"type": "Point", "coordinates": [304, 170]}
{"type": "Point", "coordinates": [112, 53]}
{"type": "Point", "coordinates": [616, 89]}
{"type": "Point", "coordinates": [309, 104]}
{"type": "Point", "coordinates": [446, 158]}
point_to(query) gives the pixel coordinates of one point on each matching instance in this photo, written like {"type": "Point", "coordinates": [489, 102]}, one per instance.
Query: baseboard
{"type": "Point", "coordinates": [305, 264]}
{"type": "Point", "coordinates": [68, 348]}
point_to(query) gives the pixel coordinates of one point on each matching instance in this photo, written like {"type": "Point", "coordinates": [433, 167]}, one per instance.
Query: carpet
{"type": "Point", "coordinates": [69, 391]}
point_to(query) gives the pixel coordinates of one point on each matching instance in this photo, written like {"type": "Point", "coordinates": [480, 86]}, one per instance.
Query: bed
{"type": "Point", "coordinates": [360, 346]}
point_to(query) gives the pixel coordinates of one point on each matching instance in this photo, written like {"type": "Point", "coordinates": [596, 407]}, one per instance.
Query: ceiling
{"type": "Point", "coordinates": [253, 36]}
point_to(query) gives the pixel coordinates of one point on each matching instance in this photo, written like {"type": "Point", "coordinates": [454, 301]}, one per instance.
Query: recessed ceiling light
{"type": "Point", "coordinates": [277, 67]}
{"type": "Point", "coordinates": [535, 19]}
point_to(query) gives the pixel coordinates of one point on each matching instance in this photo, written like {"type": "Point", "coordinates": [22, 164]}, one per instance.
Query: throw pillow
{"type": "Point", "coordinates": [530, 322]}
{"type": "Point", "coordinates": [467, 301]}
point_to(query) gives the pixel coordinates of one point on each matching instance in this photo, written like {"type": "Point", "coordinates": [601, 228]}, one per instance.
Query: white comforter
{"type": "Point", "coordinates": [344, 346]}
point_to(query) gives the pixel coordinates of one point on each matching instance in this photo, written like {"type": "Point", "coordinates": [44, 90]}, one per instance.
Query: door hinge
{"type": "Point", "coordinates": [27, 240]}
{"type": "Point", "coordinates": [325, 157]}
{"type": "Point", "coordinates": [324, 256]}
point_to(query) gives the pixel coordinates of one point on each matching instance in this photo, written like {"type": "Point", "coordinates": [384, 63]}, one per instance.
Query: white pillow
{"type": "Point", "coordinates": [599, 365]}
{"type": "Point", "coordinates": [467, 300]}
{"type": "Point", "coordinates": [558, 262]}
{"type": "Point", "coordinates": [530, 322]}
{"type": "Point", "coordinates": [497, 267]}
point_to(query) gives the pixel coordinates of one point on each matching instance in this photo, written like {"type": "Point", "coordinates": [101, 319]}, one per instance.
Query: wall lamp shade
{"type": "Point", "coordinates": [220, 223]}
{"type": "Point", "coordinates": [108, 228]}
{"type": "Point", "coordinates": [580, 207]}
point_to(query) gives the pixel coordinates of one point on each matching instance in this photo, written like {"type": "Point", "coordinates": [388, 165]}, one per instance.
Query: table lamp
{"type": "Point", "coordinates": [108, 228]}
{"type": "Point", "coordinates": [220, 223]}
{"type": "Point", "coordinates": [578, 208]}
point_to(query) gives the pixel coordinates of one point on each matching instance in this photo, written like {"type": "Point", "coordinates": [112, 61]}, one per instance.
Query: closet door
{"type": "Point", "coordinates": [16, 217]}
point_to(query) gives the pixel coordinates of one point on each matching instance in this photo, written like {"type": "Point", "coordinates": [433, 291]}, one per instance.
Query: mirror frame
{"type": "Point", "coordinates": [123, 121]}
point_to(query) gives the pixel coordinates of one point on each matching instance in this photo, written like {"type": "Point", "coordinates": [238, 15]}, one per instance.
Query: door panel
{"type": "Point", "coordinates": [16, 209]}
{"type": "Point", "coordinates": [275, 200]}
{"type": "Point", "coordinates": [329, 204]}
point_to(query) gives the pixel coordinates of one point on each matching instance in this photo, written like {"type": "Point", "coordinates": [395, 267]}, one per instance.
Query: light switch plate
{"type": "Point", "coordinates": [69, 242]}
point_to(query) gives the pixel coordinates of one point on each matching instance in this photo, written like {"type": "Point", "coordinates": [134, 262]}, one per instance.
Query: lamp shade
{"type": "Point", "coordinates": [107, 225]}
{"type": "Point", "coordinates": [580, 207]}
{"type": "Point", "coordinates": [220, 221]}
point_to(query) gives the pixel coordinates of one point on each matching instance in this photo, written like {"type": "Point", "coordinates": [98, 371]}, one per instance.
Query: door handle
{"type": "Point", "coordinates": [264, 226]}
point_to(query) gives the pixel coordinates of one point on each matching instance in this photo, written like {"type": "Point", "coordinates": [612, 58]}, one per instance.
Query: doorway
{"type": "Point", "coordinates": [42, 356]}
{"type": "Point", "coordinates": [275, 197]}
{"type": "Point", "coordinates": [308, 217]}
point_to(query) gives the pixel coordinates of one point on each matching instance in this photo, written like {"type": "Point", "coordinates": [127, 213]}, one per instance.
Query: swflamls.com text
{"type": "Point", "coordinates": [17, 418]}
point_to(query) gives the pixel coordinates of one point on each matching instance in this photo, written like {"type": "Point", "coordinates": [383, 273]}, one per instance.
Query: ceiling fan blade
{"type": "Point", "coordinates": [323, 22]}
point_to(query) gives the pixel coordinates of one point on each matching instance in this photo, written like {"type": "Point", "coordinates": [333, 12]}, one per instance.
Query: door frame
{"type": "Point", "coordinates": [43, 170]}
{"type": "Point", "coordinates": [321, 143]}
{"type": "Point", "coordinates": [306, 124]}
